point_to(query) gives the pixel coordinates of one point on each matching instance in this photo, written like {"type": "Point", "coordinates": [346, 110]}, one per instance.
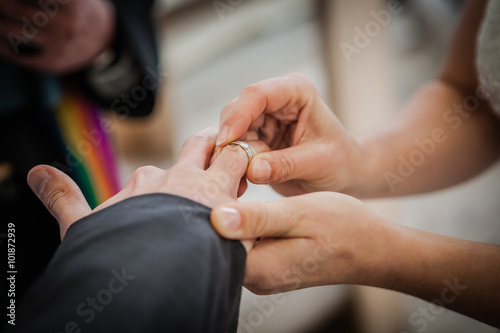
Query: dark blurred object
{"type": "Point", "coordinates": [455, 4]}
{"type": "Point", "coordinates": [28, 99]}
{"type": "Point", "coordinates": [30, 49]}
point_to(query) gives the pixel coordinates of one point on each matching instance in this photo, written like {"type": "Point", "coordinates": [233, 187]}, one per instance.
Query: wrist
{"type": "Point", "coordinates": [360, 168]}
{"type": "Point", "coordinates": [368, 181]}
{"type": "Point", "coordinates": [375, 261]}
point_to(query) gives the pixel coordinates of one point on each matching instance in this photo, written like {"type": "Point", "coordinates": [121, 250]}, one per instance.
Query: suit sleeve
{"type": "Point", "coordinates": [151, 263]}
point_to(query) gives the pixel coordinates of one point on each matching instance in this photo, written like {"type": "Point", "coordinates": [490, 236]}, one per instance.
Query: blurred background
{"type": "Point", "coordinates": [211, 49]}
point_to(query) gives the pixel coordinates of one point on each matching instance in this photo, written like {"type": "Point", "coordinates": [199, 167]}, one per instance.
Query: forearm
{"type": "Point", "coordinates": [440, 138]}
{"type": "Point", "coordinates": [457, 274]}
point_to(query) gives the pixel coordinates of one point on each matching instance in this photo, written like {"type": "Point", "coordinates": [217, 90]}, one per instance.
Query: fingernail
{"type": "Point", "coordinates": [230, 218]}
{"type": "Point", "coordinates": [222, 138]}
{"type": "Point", "coordinates": [261, 170]}
{"type": "Point", "coordinates": [37, 180]}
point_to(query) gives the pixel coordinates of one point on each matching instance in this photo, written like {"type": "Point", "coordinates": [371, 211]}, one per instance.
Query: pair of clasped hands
{"type": "Point", "coordinates": [301, 150]}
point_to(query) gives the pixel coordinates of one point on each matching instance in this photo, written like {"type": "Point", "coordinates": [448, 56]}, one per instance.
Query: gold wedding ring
{"type": "Point", "coordinates": [245, 147]}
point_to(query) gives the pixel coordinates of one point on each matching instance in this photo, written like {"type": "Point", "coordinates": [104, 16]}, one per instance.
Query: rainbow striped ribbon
{"type": "Point", "coordinates": [88, 146]}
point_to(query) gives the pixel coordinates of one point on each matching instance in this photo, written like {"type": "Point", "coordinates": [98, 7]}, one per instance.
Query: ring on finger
{"type": "Point", "coordinates": [246, 148]}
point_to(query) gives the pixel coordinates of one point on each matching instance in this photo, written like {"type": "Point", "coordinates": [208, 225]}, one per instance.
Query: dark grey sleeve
{"type": "Point", "coordinates": [150, 263]}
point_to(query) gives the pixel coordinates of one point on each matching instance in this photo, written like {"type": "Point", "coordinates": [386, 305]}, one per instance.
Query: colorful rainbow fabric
{"type": "Point", "coordinates": [87, 146]}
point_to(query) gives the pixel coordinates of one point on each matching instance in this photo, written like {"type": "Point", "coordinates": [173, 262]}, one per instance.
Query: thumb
{"type": "Point", "coordinates": [249, 220]}
{"type": "Point", "coordinates": [60, 195]}
{"type": "Point", "coordinates": [279, 166]}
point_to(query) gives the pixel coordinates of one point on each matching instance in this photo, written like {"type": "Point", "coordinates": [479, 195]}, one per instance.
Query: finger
{"type": "Point", "coordinates": [198, 149]}
{"type": "Point", "coordinates": [248, 220]}
{"type": "Point", "coordinates": [248, 136]}
{"type": "Point", "coordinates": [232, 163]}
{"type": "Point", "coordinates": [274, 255]}
{"type": "Point", "coordinates": [279, 166]}
{"type": "Point", "coordinates": [60, 195]}
{"type": "Point", "coordinates": [287, 94]}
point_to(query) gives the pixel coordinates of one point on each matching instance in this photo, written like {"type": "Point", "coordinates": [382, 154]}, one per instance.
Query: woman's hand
{"type": "Point", "coordinates": [310, 240]}
{"type": "Point", "coordinates": [328, 238]}
{"type": "Point", "coordinates": [190, 177]}
{"type": "Point", "coordinates": [311, 151]}
{"type": "Point", "coordinates": [58, 37]}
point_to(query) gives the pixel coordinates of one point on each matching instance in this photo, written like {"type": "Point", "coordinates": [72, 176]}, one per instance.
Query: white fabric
{"type": "Point", "coordinates": [488, 56]}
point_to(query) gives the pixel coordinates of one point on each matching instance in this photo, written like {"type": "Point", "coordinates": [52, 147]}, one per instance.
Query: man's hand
{"type": "Point", "coordinates": [58, 36]}
{"type": "Point", "coordinates": [190, 177]}
{"type": "Point", "coordinates": [311, 151]}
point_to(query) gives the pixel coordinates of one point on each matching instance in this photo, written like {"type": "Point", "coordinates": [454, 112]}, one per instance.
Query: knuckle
{"type": "Point", "coordinates": [143, 172]}
{"type": "Point", "coordinates": [56, 194]}
{"type": "Point", "coordinates": [286, 167]}
{"type": "Point", "coordinates": [233, 148]}
{"type": "Point", "coordinates": [238, 164]}
{"type": "Point", "coordinates": [237, 116]}
{"type": "Point", "coordinates": [211, 130]}
{"type": "Point", "coordinates": [199, 138]}
{"type": "Point", "coordinates": [229, 107]}
{"type": "Point", "coordinates": [298, 76]}
{"type": "Point", "coordinates": [226, 111]}
{"type": "Point", "coordinates": [260, 221]}
{"type": "Point", "coordinates": [252, 89]}
{"type": "Point", "coordinates": [146, 170]}
{"type": "Point", "coordinates": [302, 80]}
{"type": "Point", "coordinates": [236, 150]}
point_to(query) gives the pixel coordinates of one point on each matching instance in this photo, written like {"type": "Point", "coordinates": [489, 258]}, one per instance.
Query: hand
{"type": "Point", "coordinates": [59, 37]}
{"type": "Point", "coordinates": [311, 151]}
{"type": "Point", "coordinates": [189, 178]}
{"type": "Point", "coordinates": [327, 238]}
{"type": "Point", "coordinates": [315, 239]}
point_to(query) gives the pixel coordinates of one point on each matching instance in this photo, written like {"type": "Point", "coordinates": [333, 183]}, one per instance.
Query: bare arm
{"type": "Point", "coordinates": [445, 134]}
{"type": "Point", "coordinates": [327, 238]}
{"type": "Point", "coordinates": [454, 273]}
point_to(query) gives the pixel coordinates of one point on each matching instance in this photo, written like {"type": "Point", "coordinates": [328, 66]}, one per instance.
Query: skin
{"type": "Point", "coordinates": [313, 152]}
{"type": "Point", "coordinates": [330, 238]}
{"type": "Point", "coordinates": [74, 34]}
{"type": "Point", "coordinates": [191, 177]}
